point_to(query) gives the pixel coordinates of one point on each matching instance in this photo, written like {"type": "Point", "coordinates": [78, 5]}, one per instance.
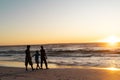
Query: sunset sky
{"type": "Point", "coordinates": [58, 21]}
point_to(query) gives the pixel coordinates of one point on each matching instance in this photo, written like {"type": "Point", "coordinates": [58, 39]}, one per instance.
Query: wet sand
{"type": "Point", "coordinates": [12, 73]}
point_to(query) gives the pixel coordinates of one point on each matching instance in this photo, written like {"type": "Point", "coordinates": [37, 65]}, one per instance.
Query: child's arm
{"type": "Point", "coordinates": [33, 55]}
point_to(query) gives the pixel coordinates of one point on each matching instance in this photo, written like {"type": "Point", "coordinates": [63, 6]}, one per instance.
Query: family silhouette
{"type": "Point", "coordinates": [37, 55]}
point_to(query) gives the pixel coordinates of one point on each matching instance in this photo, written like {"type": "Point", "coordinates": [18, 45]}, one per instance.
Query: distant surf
{"type": "Point", "coordinates": [84, 54]}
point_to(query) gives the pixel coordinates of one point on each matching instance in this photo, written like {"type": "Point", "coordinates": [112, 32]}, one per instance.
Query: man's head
{"type": "Point", "coordinates": [28, 46]}
{"type": "Point", "coordinates": [41, 47]}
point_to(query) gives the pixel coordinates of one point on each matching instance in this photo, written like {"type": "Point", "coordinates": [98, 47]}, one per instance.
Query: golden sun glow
{"type": "Point", "coordinates": [112, 68]}
{"type": "Point", "coordinates": [112, 40]}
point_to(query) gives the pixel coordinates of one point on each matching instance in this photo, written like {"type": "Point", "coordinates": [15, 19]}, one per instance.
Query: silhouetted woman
{"type": "Point", "coordinates": [43, 57]}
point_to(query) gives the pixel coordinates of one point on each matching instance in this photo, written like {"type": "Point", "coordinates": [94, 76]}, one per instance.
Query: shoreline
{"type": "Point", "coordinates": [14, 73]}
{"type": "Point", "coordinates": [11, 70]}
{"type": "Point", "coordinates": [15, 64]}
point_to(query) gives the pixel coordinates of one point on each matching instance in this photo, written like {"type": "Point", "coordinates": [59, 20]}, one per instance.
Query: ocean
{"type": "Point", "coordinates": [82, 54]}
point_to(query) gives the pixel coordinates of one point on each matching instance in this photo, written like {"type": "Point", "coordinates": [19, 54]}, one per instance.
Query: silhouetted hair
{"type": "Point", "coordinates": [42, 47]}
{"type": "Point", "coordinates": [36, 51]}
{"type": "Point", "coordinates": [28, 46]}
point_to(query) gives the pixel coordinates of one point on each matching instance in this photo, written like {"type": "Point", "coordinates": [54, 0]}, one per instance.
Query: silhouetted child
{"type": "Point", "coordinates": [37, 59]}
{"type": "Point", "coordinates": [28, 59]}
{"type": "Point", "coordinates": [43, 57]}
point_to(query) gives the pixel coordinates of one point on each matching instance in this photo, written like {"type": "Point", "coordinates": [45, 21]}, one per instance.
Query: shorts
{"type": "Point", "coordinates": [28, 61]}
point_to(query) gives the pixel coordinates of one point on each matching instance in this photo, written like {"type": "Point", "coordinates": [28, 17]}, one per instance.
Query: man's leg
{"type": "Point", "coordinates": [46, 63]}
{"type": "Point", "coordinates": [41, 62]}
{"type": "Point", "coordinates": [30, 62]}
{"type": "Point", "coordinates": [26, 64]}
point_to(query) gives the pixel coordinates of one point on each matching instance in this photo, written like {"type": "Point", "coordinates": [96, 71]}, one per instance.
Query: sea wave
{"type": "Point", "coordinates": [76, 53]}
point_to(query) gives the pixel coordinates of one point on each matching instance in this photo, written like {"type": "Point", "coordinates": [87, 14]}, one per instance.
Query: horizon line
{"type": "Point", "coordinates": [53, 43]}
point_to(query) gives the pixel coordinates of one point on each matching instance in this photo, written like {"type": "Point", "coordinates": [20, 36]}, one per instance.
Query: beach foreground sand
{"type": "Point", "coordinates": [11, 73]}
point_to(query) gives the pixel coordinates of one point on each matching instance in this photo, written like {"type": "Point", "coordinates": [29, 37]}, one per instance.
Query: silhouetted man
{"type": "Point", "coordinates": [43, 57]}
{"type": "Point", "coordinates": [28, 59]}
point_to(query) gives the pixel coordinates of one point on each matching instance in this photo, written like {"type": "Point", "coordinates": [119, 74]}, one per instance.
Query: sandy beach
{"type": "Point", "coordinates": [12, 73]}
